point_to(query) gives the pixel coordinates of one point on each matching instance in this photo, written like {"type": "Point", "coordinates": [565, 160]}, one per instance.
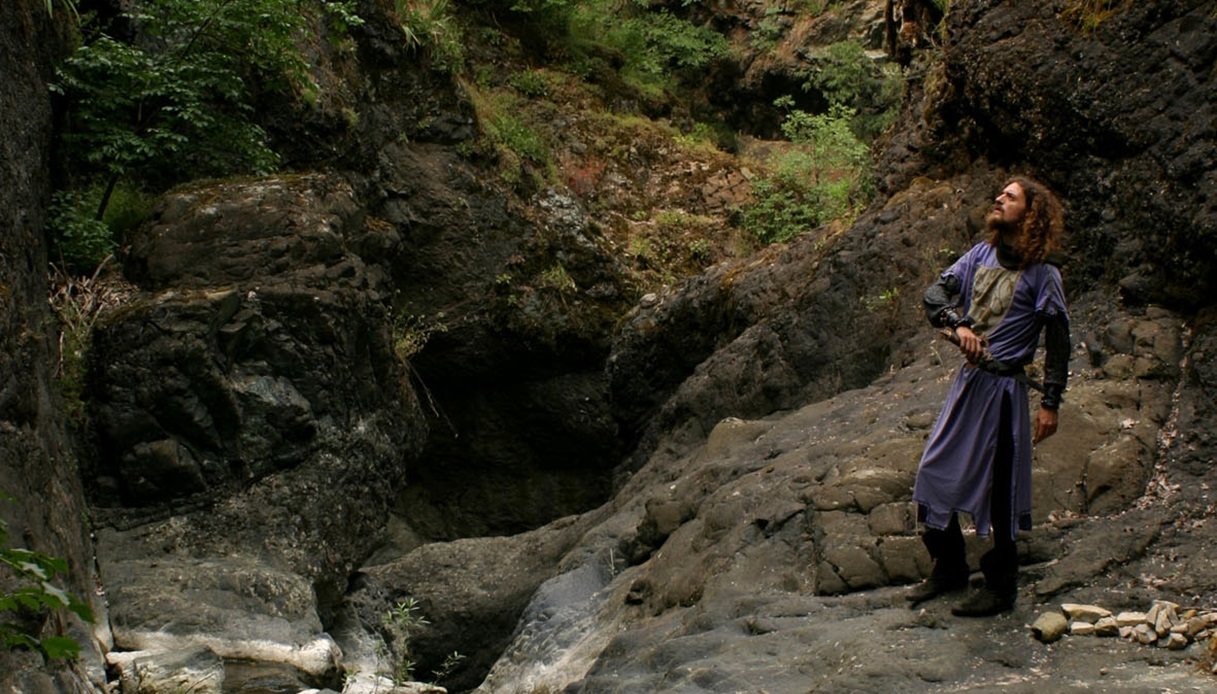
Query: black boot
{"type": "Point", "coordinates": [950, 572]}
{"type": "Point", "coordinates": [940, 582]}
{"type": "Point", "coordinates": [1000, 566]}
{"type": "Point", "coordinates": [985, 602]}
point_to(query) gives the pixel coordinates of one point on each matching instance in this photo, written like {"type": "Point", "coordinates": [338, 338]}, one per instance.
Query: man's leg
{"type": "Point", "coordinates": [1000, 564]}
{"type": "Point", "coordinates": [950, 572]}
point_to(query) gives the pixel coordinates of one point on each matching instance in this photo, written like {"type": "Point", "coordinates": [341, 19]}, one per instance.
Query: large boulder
{"type": "Point", "coordinates": [253, 420]}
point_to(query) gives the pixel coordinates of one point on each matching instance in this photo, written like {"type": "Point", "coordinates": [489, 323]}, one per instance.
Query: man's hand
{"type": "Point", "coordinates": [1044, 426]}
{"type": "Point", "coordinates": [970, 344]}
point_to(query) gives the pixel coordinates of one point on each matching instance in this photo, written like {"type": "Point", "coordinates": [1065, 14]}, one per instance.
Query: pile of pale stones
{"type": "Point", "coordinates": [1165, 624]}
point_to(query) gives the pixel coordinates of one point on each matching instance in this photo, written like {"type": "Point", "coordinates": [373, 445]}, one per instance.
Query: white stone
{"type": "Point", "coordinates": [1130, 619]}
{"type": "Point", "coordinates": [1107, 626]}
{"type": "Point", "coordinates": [1151, 616]}
{"type": "Point", "coordinates": [1176, 642]}
{"type": "Point", "coordinates": [1165, 619]}
{"type": "Point", "coordinates": [1081, 628]}
{"type": "Point", "coordinates": [1085, 613]}
{"type": "Point", "coordinates": [1145, 634]}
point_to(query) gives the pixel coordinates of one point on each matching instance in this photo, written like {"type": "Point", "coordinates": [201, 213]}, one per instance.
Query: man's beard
{"type": "Point", "coordinates": [995, 223]}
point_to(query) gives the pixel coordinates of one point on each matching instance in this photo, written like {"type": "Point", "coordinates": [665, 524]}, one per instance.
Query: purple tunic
{"type": "Point", "coordinates": [956, 470]}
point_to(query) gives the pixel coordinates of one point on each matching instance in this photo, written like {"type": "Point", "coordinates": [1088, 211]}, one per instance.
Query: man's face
{"type": "Point", "coordinates": [1009, 207]}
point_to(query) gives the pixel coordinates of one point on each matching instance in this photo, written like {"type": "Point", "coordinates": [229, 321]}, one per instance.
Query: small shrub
{"type": "Point", "coordinates": [451, 662]}
{"type": "Point", "coordinates": [701, 135]}
{"type": "Point", "coordinates": [505, 120]}
{"type": "Point", "coordinates": [510, 131]}
{"type": "Point", "coordinates": [848, 78]}
{"type": "Point", "coordinates": [656, 46]}
{"type": "Point", "coordinates": [35, 595]}
{"type": "Point", "coordinates": [530, 83]}
{"type": "Point", "coordinates": [411, 333]}
{"type": "Point", "coordinates": [400, 623]}
{"type": "Point", "coordinates": [700, 250]}
{"type": "Point", "coordinates": [824, 178]}
{"type": "Point", "coordinates": [559, 279]}
{"type": "Point", "coordinates": [1088, 15]}
{"type": "Point", "coordinates": [769, 30]}
{"type": "Point", "coordinates": [77, 301]}
{"type": "Point", "coordinates": [79, 239]}
{"type": "Point", "coordinates": [429, 25]}
{"type": "Point", "coordinates": [176, 105]}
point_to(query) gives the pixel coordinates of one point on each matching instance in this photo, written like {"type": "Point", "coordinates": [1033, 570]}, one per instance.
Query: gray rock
{"type": "Point", "coordinates": [234, 607]}
{"type": "Point", "coordinates": [196, 669]}
{"type": "Point", "coordinates": [1049, 627]}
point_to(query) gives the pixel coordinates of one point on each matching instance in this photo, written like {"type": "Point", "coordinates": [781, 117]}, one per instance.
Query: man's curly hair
{"type": "Point", "coordinates": [1043, 222]}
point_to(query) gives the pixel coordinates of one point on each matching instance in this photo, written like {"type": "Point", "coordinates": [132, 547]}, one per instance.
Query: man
{"type": "Point", "coordinates": [994, 301]}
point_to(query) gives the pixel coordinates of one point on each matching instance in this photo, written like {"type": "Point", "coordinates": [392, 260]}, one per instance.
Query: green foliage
{"type": "Point", "coordinates": [78, 300]}
{"type": "Point", "coordinates": [343, 12]}
{"type": "Point", "coordinates": [71, 5]}
{"type": "Point", "coordinates": [825, 178]}
{"type": "Point", "coordinates": [35, 594]}
{"type": "Point", "coordinates": [411, 332]}
{"type": "Point", "coordinates": [530, 83]}
{"type": "Point", "coordinates": [1088, 15]}
{"type": "Point", "coordinates": [512, 130]}
{"type": "Point", "coordinates": [769, 30]}
{"type": "Point", "coordinates": [653, 44]}
{"type": "Point", "coordinates": [177, 104]}
{"type": "Point", "coordinates": [846, 76]}
{"type": "Point", "coordinates": [80, 239]}
{"type": "Point", "coordinates": [557, 278]}
{"type": "Point", "coordinates": [885, 299]}
{"type": "Point", "coordinates": [429, 25]}
{"type": "Point", "coordinates": [829, 139]}
{"type": "Point", "coordinates": [400, 623]}
{"type": "Point", "coordinates": [446, 668]}
{"type": "Point", "coordinates": [700, 250]}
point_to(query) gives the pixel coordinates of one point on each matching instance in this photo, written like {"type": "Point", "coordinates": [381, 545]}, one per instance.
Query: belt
{"type": "Point", "coordinates": [995, 367]}
{"type": "Point", "coordinates": [998, 368]}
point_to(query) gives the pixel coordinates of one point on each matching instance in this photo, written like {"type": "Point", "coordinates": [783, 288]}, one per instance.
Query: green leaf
{"type": "Point", "coordinates": [59, 647]}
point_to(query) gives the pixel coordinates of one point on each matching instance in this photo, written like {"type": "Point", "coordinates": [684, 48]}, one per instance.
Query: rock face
{"type": "Point", "coordinates": [734, 532]}
{"type": "Point", "coordinates": [253, 421]}
{"type": "Point", "coordinates": [37, 466]}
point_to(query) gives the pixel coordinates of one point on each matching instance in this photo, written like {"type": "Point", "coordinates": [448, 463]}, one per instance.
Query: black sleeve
{"type": "Point", "coordinates": [1056, 359]}
{"type": "Point", "coordinates": [941, 301]}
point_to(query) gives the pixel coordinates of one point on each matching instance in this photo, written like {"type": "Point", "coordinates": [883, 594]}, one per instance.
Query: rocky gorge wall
{"type": "Point", "coordinates": [272, 480]}
{"type": "Point", "coordinates": [46, 511]}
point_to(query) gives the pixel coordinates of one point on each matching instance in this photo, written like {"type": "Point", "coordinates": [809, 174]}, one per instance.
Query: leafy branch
{"type": "Point", "coordinates": [35, 594]}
